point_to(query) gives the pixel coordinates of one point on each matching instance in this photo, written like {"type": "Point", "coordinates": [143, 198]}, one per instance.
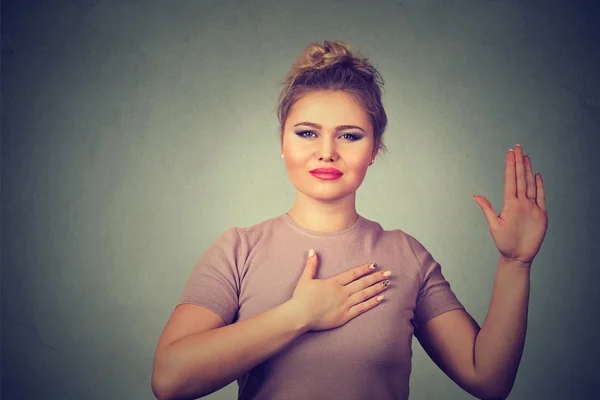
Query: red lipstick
{"type": "Point", "coordinates": [326, 173]}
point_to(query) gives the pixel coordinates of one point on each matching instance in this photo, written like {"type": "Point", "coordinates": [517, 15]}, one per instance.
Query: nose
{"type": "Point", "coordinates": [327, 158]}
{"type": "Point", "coordinates": [327, 151]}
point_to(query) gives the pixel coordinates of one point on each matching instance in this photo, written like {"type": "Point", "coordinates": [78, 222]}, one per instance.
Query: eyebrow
{"type": "Point", "coordinates": [338, 128]}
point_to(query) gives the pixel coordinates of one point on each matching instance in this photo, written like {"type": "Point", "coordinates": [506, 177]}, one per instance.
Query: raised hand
{"type": "Point", "coordinates": [520, 228]}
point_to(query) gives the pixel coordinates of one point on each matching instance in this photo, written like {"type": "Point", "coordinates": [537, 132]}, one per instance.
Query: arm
{"type": "Point", "coordinates": [483, 361]}
{"type": "Point", "coordinates": [201, 363]}
{"type": "Point", "coordinates": [499, 344]}
{"type": "Point", "coordinates": [518, 232]}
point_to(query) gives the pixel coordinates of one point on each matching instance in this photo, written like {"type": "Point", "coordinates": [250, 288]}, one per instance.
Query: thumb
{"type": "Point", "coordinates": [311, 265]}
{"type": "Point", "coordinates": [488, 210]}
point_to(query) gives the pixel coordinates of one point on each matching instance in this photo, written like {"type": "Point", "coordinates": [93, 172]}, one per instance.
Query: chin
{"type": "Point", "coordinates": [326, 195]}
{"type": "Point", "coordinates": [327, 191]}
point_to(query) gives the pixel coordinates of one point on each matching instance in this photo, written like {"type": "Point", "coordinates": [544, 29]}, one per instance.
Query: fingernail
{"type": "Point", "coordinates": [518, 145]}
{"type": "Point", "coordinates": [373, 266]}
{"type": "Point", "coordinates": [311, 253]}
{"type": "Point", "coordinates": [386, 282]}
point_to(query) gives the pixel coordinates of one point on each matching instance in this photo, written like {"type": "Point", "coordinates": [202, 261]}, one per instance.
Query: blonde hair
{"type": "Point", "coordinates": [333, 67]}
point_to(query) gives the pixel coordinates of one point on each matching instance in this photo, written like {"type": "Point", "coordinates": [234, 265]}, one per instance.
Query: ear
{"type": "Point", "coordinates": [374, 153]}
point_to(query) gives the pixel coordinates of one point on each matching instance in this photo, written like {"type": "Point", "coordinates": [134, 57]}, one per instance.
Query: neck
{"type": "Point", "coordinates": [324, 217]}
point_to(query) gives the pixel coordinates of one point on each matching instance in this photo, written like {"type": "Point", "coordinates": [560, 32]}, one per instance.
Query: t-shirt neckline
{"type": "Point", "coordinates": [351, 229]}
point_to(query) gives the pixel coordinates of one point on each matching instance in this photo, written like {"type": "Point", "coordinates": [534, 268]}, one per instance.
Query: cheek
{"type": "Point", "coordinates": [297, 159]}
{"type": "Point", "coordinates": [359, 164]}
{"type": "Point", "coordinates": [296, 166]}
{"type": "Point", "coordinates": [359, 170]}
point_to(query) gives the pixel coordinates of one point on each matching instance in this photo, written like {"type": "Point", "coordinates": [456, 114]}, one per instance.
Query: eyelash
{"type": "Point", "coordinates": [353, 136]}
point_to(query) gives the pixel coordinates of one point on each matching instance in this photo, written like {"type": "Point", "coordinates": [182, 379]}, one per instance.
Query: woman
{"type": "Point", "coordinates": [322, 303]}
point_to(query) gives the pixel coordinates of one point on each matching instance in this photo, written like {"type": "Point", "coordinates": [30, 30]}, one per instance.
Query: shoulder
{"type": "Point", "coordinates": [251, 233]}
{"type": "Point", "coordinates": [250, 236]}
{"type": "Point", "coordinates": [402, 244]}
{"type": "Point", "coordinates": [235, 243]}
{"type": "Point", "coordinates": [401, 238]}
{"type": "Point", "coordinates": [396, 237]}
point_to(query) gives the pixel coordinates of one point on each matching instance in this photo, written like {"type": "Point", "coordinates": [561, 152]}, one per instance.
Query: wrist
{"type": "Point", "coordinates": [294, 317]}
{"type": "Point", "coordinates": [509, 262]}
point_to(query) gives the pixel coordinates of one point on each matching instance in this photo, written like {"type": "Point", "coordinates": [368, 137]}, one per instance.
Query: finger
{"type": "Point", "coordinates": [510, 186]}
{"type": "Point", "coordinates": [351, 275]}
{"type": "Point", "coordinates": [364, 306]}
{"type": "Point", "coordinates": [520, 172]}
{"type": "Point", "coordinates": [311, 265]}
{"type": "Point", "coordinates": [529, 177]}
{"type": "Point", "coordinates": [366, 282]}
{"type": "Point", "coordinates": [541, 194]}
{"type": "Point", "coordinates": [368, 292]}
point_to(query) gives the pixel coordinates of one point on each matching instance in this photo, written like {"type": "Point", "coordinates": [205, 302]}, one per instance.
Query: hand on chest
{"type": "Point", "coordinates": [267, 283]}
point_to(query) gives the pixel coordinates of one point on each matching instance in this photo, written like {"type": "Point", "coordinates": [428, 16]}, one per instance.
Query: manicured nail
{"type": "Point", "coordinates": [311, 253]}
{"type": "Point", "coordinates": [373, 266]}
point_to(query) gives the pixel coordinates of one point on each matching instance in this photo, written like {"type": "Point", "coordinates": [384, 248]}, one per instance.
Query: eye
{"type": "Point", "coordinates": [301, 134]}
{"type": "Point", "coordinates": [352, 137]}
{"type": "Point", "coordinates": [348, 136]}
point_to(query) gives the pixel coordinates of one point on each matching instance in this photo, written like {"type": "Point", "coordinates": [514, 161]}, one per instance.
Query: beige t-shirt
{"type": "Point", "coordinates": [247, 271]}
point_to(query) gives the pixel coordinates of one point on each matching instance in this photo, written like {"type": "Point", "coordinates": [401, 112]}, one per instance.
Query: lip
{"type": "Point", "coordinates": [326, 174]}
{"type": "Point", "coordinates": [325, 177]}
{"type": "Point", "coordinates": [329, 171]}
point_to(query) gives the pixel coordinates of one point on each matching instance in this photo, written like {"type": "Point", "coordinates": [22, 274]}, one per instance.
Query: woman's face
{"type": "Point", "coordinates": [306, 147]}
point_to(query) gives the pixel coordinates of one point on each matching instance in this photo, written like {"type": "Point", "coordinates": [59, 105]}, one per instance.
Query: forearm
{"type": "Point", "coordinates": [499, 343]}
{"type": "Point", "coordinates": [202, 363]}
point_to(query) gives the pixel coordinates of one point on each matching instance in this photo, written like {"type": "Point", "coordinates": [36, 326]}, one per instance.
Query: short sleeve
{"type": "Point", "coordinates": [214, 281]}
{"type": "Point", "coordinates": [435, 294]}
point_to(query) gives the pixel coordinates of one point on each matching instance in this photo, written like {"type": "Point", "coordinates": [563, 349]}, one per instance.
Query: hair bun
{"type": "Point", "coordinates": [316, 56]}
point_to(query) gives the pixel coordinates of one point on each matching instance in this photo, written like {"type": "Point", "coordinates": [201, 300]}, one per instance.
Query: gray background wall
{"type": "Point", "coordinates": [135, 132]}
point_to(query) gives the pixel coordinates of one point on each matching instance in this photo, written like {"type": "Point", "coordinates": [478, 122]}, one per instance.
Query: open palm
{"type": "Point", "coordinates": [519, 229]}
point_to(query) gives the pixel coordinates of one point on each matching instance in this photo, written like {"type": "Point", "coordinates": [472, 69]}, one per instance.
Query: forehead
{"type": "Point", "coordinates": [329, 109]}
